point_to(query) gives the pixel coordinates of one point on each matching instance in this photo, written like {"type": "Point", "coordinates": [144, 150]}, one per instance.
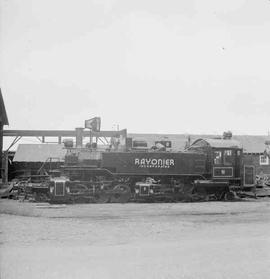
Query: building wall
{"type": "Point", "coordinates": [1, 147]}
{"type": "Point", "coordinates": [254, 159]}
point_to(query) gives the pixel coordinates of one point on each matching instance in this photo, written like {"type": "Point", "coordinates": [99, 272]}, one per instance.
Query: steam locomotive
{"type": "Point", "coordinates": [209, 169]}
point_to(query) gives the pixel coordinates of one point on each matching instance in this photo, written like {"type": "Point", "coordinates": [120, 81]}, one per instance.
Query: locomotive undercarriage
{"type": "Point", "coordinates": [99, 186]}
{"type": "Point", "coordinates": [122, 189]}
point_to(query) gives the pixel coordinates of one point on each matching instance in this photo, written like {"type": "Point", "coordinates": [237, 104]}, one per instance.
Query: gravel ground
{"type": "Point", "coordinates": [182, 240]}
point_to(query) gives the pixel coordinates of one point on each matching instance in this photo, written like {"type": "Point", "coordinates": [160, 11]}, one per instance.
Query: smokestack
{"type": "Point", "coordinates": [227, 135]}
{"type": "Point", "coordinates": [79, 137]}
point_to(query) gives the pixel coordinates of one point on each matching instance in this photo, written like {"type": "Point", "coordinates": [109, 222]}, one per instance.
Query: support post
{"type": "Point", "coordinates": [5, 169]}
{"type": "Point", "coordinates": [79, 137]}
{"type": "Point", "coordinates": [91, 138]}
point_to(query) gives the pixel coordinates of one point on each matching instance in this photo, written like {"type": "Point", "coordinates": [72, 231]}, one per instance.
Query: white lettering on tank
{"type": "Point", "coordinates": [154, 162]}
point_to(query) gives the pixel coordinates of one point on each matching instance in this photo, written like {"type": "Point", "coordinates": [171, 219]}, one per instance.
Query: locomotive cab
{"type": "Point", "coordinates": [225, 161]}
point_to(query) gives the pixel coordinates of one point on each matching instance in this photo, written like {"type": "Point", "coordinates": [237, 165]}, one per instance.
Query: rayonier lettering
{"type": "Point", "coordinates": [153, 163]}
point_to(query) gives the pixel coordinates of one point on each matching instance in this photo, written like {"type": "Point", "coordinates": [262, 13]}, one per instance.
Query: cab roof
{"type": "Point", "coordinates": [219, 143]}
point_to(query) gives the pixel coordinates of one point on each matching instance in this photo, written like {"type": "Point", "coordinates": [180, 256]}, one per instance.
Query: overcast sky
{"type": "Point", "coordinates": [149, 66]}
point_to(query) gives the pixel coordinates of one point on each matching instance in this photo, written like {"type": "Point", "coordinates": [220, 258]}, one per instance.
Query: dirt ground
{"type": "Point", "coordinates": [181, 240]}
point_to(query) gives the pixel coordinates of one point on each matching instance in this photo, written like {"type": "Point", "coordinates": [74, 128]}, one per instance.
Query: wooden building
{"type": "Point", "coordinates": [3, 121]}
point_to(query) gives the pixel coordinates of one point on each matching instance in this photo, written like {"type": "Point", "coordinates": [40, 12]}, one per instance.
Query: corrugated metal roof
{"type": "Point", "coordinates": [253, 144]}
{"type": "Point", "coordinates": [39, 152]}
{"type": "Point", "coordinates": [3, 113]}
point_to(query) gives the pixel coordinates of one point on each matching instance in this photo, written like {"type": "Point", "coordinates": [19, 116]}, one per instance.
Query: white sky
{"type": "Point", "coordinates": [149, 66]}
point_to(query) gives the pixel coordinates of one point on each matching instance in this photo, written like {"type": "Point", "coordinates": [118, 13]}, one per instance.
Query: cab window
{"type": "Point", "coordinates": [228, 157]}
{"type": "Point", "coordinates": [217, 157]}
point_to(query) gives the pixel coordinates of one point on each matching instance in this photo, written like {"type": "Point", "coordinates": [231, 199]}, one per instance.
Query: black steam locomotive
{"type": "Point", "coordinates": [209, 169]}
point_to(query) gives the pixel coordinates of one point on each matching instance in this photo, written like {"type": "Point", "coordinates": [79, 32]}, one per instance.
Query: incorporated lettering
{"type": "Point", "coordinates": [153, 163]}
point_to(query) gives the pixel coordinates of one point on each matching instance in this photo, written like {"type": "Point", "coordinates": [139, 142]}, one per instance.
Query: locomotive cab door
{"type": "Point", "coordinates": [249, 176]}
{"type": "Point", "coordinates": [238, 163]}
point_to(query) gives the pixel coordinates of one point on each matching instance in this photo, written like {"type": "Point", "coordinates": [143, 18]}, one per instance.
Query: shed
{"type": "Point", "coordinates": [39, 152]}
{"type": "Point", "coordinates": [29, 159]}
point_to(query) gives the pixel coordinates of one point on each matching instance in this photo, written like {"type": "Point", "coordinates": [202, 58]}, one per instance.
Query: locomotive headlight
{"type": "Point", "coordinates": [137, 191]}
{"type": "Point", "coordinates": [51, 189]}
{"type": "Point", "coordinates": [151, 191]}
